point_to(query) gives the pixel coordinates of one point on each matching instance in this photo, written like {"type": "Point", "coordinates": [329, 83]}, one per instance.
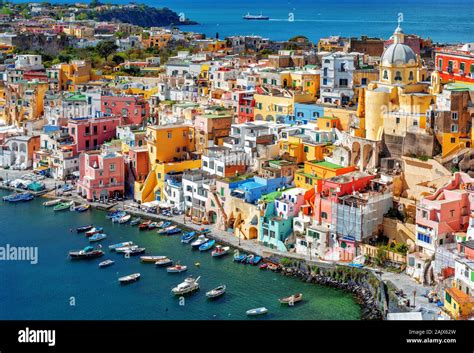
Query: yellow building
{"type": "Point", "coordinates": [278, 103]}
{"type": "Point", "coordinates": [397, 103]}
{"type": "Point", "coordinates": [299, 80]}
{"type": "Point", "coordinates": [300, 150]}
{"type": "Point", "coordinates": [74, 73]}
{"type": "Point", "coordinates": [458, 304]}
{"type": "Point", "coordinates": [156, 40]}
{"type": "Point", "coordinates": [169, 148]}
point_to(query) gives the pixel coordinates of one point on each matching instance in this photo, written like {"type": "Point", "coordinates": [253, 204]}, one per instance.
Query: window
{"type": "Point", "coordinates": [397, 120]}
{"type": "Point", "coordinates": [306, 149]}
{"type": "Point", "coordinates": [462, 67]}
{"type": "Point", "coordinates": [385, 75]}
{"type": "Point", "coordinates": [169, 135]}
{"type": "Point", "coordinates": [454, 115]}
{"type": "Point", "coordinates": [454, 127]}
{"type": "Point", "coordinates": [364, 81]}
{"type": "Point", "coordinates": [453, 139]}
{"type": "Point", "coordinates": [112, 167]}
{"type": "Point", "coordinates": [398, 76]}
{"type": "Point", "coordinates": [324, 215]}
{"type": "Point", "coordinates": [424, 238]}
{"type": "Point", "coordinates": [343, 82]}
{"type": "Point", "coordinates": [440, 64]}
{"type": "Point", "coordinates": [411, 77]}
{"type": "Point", "coordinates": [325, 81]}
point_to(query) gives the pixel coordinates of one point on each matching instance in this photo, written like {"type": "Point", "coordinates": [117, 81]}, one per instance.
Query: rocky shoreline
{"type": "Point", "coordinates": [361, 291]}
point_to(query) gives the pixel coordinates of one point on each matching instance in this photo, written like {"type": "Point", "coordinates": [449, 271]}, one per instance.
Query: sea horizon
{"type": "Point", "coordinates": [318, 19]}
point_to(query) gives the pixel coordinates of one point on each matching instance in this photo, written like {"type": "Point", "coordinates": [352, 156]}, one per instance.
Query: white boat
{"type": "Point", "coordinates": [199, 241]}
{"type": "Point", "coordinates": [106, 263]}
{"type": "Point", "coordinates": [52, 202]}
{"type": "Point", "coordinates": [166, 230]}
{"type": "Point", "coordinates": [124, 219]}
{"type": "Point", "coordinates": [120, 245]}
{"type": "Point", "coordinates": [216, 292]}
{"type": "Point", "coordinates": [176, 268]}
{"type": "Point", "coordinates": [164, 262]}
{"type": "Point", "coordinates": [189, 285]}
{"type": "Point", "coordinates": [257, 311]}
{"type": "Point", "coordinates": [152, 258]}
{"type": "Point", "coordinates": [126, 248]}
{"type": "Point", "coordinates": [220, 251]}
{"type": "Point", "coordinates": [130, 278]}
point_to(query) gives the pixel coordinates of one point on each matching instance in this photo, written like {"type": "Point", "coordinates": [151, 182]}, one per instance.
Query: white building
{"type": "Point", "coordinates": [337, 78]}
{"type": "Point", "coordinates": [196, 185]}
{"type": "Point", "coordinates": [15, 153]}
{"type": "Point", "coordinates": [29, 62]}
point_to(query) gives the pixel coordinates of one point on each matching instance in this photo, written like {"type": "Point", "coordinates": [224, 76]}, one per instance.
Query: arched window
{"type": "Point", "coordinates": [385, 75]}
{"type": "Point", "coordinates": [411, 77]}
{"type": "Point", "coordinates": [398, 76]}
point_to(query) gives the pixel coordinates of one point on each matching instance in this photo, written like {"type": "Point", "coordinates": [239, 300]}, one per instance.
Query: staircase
{"type": "Point", "coordinates": [219, 205]}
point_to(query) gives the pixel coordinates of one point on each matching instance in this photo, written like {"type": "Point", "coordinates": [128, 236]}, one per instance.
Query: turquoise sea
{"type": "Point", "coordinates": [47, 289]}
{"type": "Point", "coordinates": [441, 20]}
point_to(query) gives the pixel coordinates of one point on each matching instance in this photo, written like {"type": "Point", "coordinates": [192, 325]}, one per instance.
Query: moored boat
{"type": "Point", "coordinates": [51, 202]}
{"type": "Point", "coordinates": [63, 206]}
{"type": "Point", "coordinates": [187, 237]}
{"type": "Point", "coordinates": [207, 245]}
{"type": "Point", "coordinates": [220, 251]}
{"type": "Point", "coordinates": [144, 225]}
{"type": "Point", "coordinates": [134, 251]}
{"type": "Point", "coordinates": [97, 237]}
{"type": "Point", "coordinates": [23, 197]}
{"type": "Point", "coordinates": [164, 224]}
{"type": "Point", "coordinates": [216, 292]}
{"type": "Point", "coordinates": [87, 253]}
{"type": "Point", "coordinates": [120, 245]}
{"type": "Point", "coordinates": [189, 285]}
{"type": "Point", "coordinates": [124, 219]}
{"type": "Point", "coordinates": [82, 208]}
{"type": "Point", "coordinates": [166, 230]}
{"type": "Point", "coordinates": [84, 228]}
{"type": "Point", "coordinates": [199, 241]}
{"type": "Point", "coordinates": [126, 248]}
{"type": "Point", "coordinates": [129, 278]}
{"type": "Point", "coordinates": [176, 268]}
{"type": "Point", "coordinates": [173, 231]}
{"type": "Point", "coordinates": [153, 225]}
{"type": "Point", "coordinates": [249, 259]}
{"type": "Point", "coordinates": [292, 299]}
{"type": "Point", "coordinates": [164, 262]}
{"type": "Point", "coordinates": [93, 231]}
{"type": "Point", "coordinates": [256, 260]}
{"type": "Point", "coordinates": [239, 257]}
{"type": "Point", "coordinates": [135, 221]}
{"type": "Point", "coordinates": [152, 259]}
{"type": "Point", "coordinates": [106, 263]}
{"type": "Point", "coordinates": [257, 311]}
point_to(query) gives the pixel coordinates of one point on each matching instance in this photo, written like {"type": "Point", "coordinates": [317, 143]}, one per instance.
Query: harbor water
{"type": "Point", "coordinates": [58, 288]}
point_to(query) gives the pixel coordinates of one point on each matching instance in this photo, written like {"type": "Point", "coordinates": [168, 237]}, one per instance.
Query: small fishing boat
{"type": "Point", "coordinates": [63, 206]}
{"type": "Point", "coordinates": [93, 231]}
{"type": "Point", "coordinates": [166, 230]}
{"type": "Point", "coordinates": [187, 237]}
{"type": "Point", "coordinates": [97, 237]}
{"type": "Point", "coordinates": [249, 259]}
{"type": "Point", "coordinates": [124, 219]}
{"type": "Point", "coordinates": [238, 257]}
{"type": "Point", "coordinates": [164, 262]}
{"type": "Point", "coordinates": [120, 245]}
{"type": "Point", "coordinates": [153, 225]}
{"type": "Point", "coordinates": [84, 228]}
{"type": "Point", "coordinates": [257, 311]}
{"type": "Point", "coordinates": [130, 278]}
{"type": "Point", "coordinates": [106, 263]}
{"type": "Point", "coordinates": [82, 208]}
{"type": "Point", "coordinates": [152, 259]}
{"type": "Point", "coordinates": [292, 299]}
{"type": "Point", "coordinates": [134, 252]}
{"type": "Point", "coordinates": [113, 214]}
{"type": "Point", "coordinates": [216, 292]}
{"type": "Point", "coordinates": [273, 267]}
{"type": "Point", "coordinates": [189, 285]}
{"type": "Point", "coordinates": [164, 224]}
{"type": "Point", "coordinates": [220, 251]}
{"type": "Point", "coordinates": [199, 241]}
{"type": "Point", "coordinates": [160, 224]}
{"type": "Point", "coordinates": [87, 253]}
{"type": "Point", "coordinates": [176, 268]}
{"type": "Point", "coordinates": [23, 197]}
{"type": "Point", "coordinates": [144, 225]}
{"type": "Point", "coordinates": [126, 248]}
{"type": "Point", "coordinates": [51, 202]}
{"type": "Point", "coordinates": [256, 260]}
{"type": "Point", "coordinates": [173, 231]}
{"type": "Point", "coordinates": [207, 245]}
{"type": "Point", "coordinates": [118, 216]}
{"type": "Point", "coordinates": [135, 221]}
{"type": "Point", "coordinates": [204, 231]}
{"type": "Point", "coordinates": [263, 266]}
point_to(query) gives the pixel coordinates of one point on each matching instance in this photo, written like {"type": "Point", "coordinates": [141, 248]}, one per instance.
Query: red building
{"type": "Point", "coordinates": [456, 63]}
{"type": "Point", "coordinates": [90, 133]}
{"type": "Point", "coordinates": [133, 109]}
{"type": "Point", "coordinates": [246, 104]}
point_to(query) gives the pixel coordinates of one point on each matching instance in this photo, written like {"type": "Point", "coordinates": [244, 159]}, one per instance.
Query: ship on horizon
{"type": "Point", "coordinates": [248, 16]}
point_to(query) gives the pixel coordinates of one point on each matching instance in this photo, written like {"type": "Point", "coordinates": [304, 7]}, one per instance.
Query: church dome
{"type": "Point", "coordinates": [399, 54]}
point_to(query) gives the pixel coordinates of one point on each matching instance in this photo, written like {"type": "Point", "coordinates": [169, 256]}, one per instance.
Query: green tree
{"type": "Point", "coordinates": [104, 49]}
{"type": "Point", "coordinates": [117, 59]}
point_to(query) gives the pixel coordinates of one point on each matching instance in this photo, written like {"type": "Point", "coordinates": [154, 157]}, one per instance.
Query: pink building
{"type": "Point", "coordinates": [334, 188]}
{"type": "Point", "coordinates": [91, 133]}
{"type": "Point", "coordinates": [444, 213]}
{"type": "Point", "coordinates": [102, 175]}
{"type": "Point", "coordinates": [133, 109]}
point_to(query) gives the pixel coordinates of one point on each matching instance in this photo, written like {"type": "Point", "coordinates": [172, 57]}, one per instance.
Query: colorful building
{"type": "Point", "coordinates": [90, 133]}
{"type": "Point", "coordinates": [133, 109]}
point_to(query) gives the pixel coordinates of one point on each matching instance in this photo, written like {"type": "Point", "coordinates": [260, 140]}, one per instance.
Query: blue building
{"type": "Point", "coordinates": [251, 190]}
{"type": "Point", "coordinates": [304, 112]}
